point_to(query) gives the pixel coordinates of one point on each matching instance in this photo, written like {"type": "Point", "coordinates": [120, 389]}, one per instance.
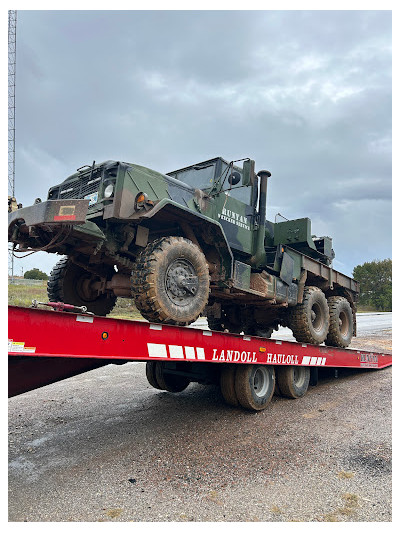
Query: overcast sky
{"type": "Point", "coordinates": [307, 94]}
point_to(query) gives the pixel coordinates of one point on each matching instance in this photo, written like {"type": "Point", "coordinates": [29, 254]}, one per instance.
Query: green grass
{"type": "Point", "coordinates": [22, 295]}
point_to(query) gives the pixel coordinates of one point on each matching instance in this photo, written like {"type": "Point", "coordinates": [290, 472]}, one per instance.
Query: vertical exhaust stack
{"type": "Point", "coordinates": [259, 257]}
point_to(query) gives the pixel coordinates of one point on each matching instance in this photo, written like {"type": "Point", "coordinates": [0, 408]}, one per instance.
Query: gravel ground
{"type": "Point", "coordinates": [106, 447]}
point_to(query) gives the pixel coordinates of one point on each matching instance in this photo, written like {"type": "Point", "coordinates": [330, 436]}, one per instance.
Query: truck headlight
{"type": "Point", "coordinates": [140, 200]}
{"type": "Point", "coordinates": [108, 191]}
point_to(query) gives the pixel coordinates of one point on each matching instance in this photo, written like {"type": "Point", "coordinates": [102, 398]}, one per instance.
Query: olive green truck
{"type": "Point", "coordinates": [195, 241]}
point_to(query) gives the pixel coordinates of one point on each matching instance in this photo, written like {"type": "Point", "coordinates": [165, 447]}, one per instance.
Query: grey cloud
{"type": "Point", "coordinates": [307, 94]}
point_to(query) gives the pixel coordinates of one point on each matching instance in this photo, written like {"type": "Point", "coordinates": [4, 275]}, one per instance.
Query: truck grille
{"type": "Point", "coordinates": [80, 188]}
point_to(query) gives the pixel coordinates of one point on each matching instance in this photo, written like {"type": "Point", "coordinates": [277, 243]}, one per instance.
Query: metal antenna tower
{"type": "Point", "coordinates": [12, 53]}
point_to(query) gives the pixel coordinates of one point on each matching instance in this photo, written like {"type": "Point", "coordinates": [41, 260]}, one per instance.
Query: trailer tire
{"type": "Point", "coordinates": [70, 283]}
{"type": "Point", "coordinates": [170, 283]}
{"type": "Point", "coordinates": [170, 382]}
{"type": "Point", "coordinates": [151, 374]}
{"type": "Point", "coordinates": [309, 321]}
{"type": "Point", "coordinates": [292, 381]}
{"type": "Point", "coordinates": [227, 384]}
{"type": "Point", "coordinates": [340, 322]}
{"type": "Point", "coordinates": [254, 386]}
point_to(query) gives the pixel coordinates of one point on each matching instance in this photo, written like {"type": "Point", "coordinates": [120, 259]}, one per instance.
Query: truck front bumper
{"type": "Point", "coordinates": [49, 218]}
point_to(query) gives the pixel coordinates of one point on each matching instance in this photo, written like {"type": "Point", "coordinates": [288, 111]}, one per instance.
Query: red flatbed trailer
{"type": "Point", "coordinates": [46, 346]}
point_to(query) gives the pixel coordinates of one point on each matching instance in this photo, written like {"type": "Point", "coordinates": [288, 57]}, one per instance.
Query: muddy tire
{"type": "Point", "coordinates": [292, 381]}
{"type": "Point", "coordinates": [69, 283]}
{"type": "Point", "coordinates": [151, 374]}
{"type": "Point", "coordinates": [170, 283]}
{"type": "Point", "coordinates": [340, 322]}
{"type": "Point", "coordinates": [227, 384]}
{"type": "Point", "coordinates": [169, 382]}
{"type": "Point", "coordinates": [309, 321]}
{"type": "Point", "coordinates": [254, 386]}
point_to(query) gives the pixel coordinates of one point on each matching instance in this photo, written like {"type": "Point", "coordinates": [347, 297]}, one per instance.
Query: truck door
{"type": "Point", "coordinates": [236, 216]}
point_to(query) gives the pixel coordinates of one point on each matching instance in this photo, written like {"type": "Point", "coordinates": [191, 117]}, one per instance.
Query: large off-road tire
{"type": "Point", "coordinates": [170, 283]}
{"type": "Point", "coordinates": [169, 382]}
{"type": "Point", "coordinates": [293, 380]}
{"type": "Point", "coordinates": [340, 322]}
{"type": "Point", "coordinates": [69, 283]}
{"type": "Point", "coordinates": [309, 321]}
{"type": "Point", "coordinates": [254, 386]}
{"type": "Point", "coordinates": [227, 384]}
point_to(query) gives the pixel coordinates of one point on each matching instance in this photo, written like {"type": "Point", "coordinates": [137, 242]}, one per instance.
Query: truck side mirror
{"type": "Point", "coordinates": [234, 178]}
{"type": "Point", "coordinates": [248, 172]}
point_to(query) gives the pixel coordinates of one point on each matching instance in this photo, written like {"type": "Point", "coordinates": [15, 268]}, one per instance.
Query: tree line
{"type": "Point", "coordinates": [375, 279]}
{"type": "Point", "coordinates": [35, 273]}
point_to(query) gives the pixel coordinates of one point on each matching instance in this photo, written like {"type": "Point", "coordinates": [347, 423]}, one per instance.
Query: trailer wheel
{"type": "Point", "coordinates": [169, 382]}
{"type": "Point", "coordinates": [170, 283]}
{"type": "Point", "coordinates": [254, 386]}
{"type": "Point", "coordinates": [69, 283]}
{"type": "Point", "coordinates": [340, 322]}
{"type": "Point", "coordinates": [309, 321]}
{"type": "Point", "coordinates": [227, 384]}
{"type": "Point", "coordinates": [151, 374]}
{"type": "Point", "coordinates": [292, 380]}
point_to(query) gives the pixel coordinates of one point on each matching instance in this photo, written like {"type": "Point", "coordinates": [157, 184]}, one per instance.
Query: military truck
{"type": "Point", "coordinates": [191, 242]}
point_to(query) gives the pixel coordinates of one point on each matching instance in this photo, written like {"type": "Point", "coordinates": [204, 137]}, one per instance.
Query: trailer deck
{"type": "Point", "coordinates": [45, 346]}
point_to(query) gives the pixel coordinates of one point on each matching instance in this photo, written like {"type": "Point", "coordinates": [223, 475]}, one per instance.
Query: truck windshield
{"type": "Point", "coordinates": [200, 177]}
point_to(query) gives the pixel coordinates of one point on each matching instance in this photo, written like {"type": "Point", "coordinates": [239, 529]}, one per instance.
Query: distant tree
{"type": "Point", "coordinates": [375, 280]}
{"type": "Point", "coordinates": [35, 273]}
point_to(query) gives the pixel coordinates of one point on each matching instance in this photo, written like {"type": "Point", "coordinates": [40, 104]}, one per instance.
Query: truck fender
{"type": "Point", "coordinates": [197, 228]}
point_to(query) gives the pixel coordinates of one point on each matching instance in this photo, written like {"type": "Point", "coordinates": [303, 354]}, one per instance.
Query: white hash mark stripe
{"type": "Point", "coordinates": [313, 361]}
{"type": "Point", "coordinates": [200, 353]}
{"type": "Point", "coordinates": [157, 350]}
{"type": "Point", "coordinates": [190, 353]}
{"type": "Point", "coordinates": [175, 352]}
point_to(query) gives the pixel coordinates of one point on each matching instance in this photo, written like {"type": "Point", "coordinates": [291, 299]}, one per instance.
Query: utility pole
{"type": "Point", "coordinates": [12, 54]}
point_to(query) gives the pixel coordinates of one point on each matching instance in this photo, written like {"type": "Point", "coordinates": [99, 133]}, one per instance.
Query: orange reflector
{"type": "Point", "coordinates": [140, 198]}
{"type": "Point", "coordinates": [104, 335]}
{"type": "Point", "coordinates": [262, 349]}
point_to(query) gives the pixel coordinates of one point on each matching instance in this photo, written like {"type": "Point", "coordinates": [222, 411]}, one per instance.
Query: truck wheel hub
{"type": "Point", "coordinates": [317, 317]}
{"type": "Point", "coordinates": [86, 290]}
{"type": "Point", "coordinates": [181, 281]}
